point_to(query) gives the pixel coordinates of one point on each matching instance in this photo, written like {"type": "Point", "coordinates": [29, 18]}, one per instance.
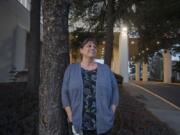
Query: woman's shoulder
{"type": "Point", "coordinates": [72, 66]}
{"type": "Point", "coordinates": [103, 66]}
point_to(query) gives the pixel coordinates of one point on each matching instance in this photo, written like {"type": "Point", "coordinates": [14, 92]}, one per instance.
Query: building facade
{"type": "Point", "coordinates": [14, 29]}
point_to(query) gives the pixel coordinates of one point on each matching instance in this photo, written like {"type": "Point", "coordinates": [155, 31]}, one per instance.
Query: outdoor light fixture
{"type": "Point", "coordinates": [139, 54]}
{"type": "Point", "coordinates": [147, 49]}
{"type": "Point", "coordinates": [102, 50]}
{"type": "Point", "coordinates": [142, 51]}
{"type": "Point", "coordinates": [124, 29]}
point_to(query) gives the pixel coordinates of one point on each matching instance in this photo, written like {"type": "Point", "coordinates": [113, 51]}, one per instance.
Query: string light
{"type": "Point", "coordinates": [158, 42]}
{"type": "Point", "coordinates": [103, 42]}
{"type": "Point", "coordinates": [132, 42]}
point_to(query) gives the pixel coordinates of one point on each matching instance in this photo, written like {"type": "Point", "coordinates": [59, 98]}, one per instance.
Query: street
{"type": "Point", "coordinates": [162, 100]}
{"type": "Point", "coordinates": [170, 92]}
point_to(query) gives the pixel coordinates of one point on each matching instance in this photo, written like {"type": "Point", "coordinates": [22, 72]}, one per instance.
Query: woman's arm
{"type": "Point", "coordinates": [115, 93]}
{"type": "Point", "coordinates": [65, 95]}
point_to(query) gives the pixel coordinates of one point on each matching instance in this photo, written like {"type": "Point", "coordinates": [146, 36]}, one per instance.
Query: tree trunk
{"type": "Point", "coordinates": [109, 32]}
{"type": "Point", "coordinates": [54, 60]}
{"type": "Point", "coordinates": [34, 61]}
{"type": "Point", "coordinates": [34, 49]}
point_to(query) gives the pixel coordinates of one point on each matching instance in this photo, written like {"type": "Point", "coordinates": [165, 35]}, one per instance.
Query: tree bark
{"type": "Point", "coordinates": [54, 60]}
{"type": "Point", "coordinates": [34, 48]}
{"type": "Point", "coordinates": [109, 32]}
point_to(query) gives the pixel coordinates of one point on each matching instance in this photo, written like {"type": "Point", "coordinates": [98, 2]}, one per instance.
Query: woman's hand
{"type": "Point", "coordinates": [113, 107]}
{"type": "Point", "coordinates": [69, 113]}
{"type": "Point", "coordinates": [70, 119]}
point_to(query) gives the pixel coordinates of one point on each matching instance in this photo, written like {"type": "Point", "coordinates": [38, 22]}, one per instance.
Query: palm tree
{"type": "Point", "coordinates": [54, 60]}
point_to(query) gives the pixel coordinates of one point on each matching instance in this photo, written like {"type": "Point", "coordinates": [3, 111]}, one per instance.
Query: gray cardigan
{"type": "Point", "coordinates": [107, 94]}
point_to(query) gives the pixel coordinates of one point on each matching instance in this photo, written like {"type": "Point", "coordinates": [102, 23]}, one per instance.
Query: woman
{"type": "Point", "coordinates": [90, 93]}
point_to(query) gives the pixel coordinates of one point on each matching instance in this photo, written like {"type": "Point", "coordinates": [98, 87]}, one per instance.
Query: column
{"type": "Point", "coordinates": [145, 72]}
{"type": "Point", "coordinates": [167, 66]}
{"type": "Point", "coordinates": [137, 71]}
{"type": "Point", "coordinates": [123, 54]}
{"type": "Point", "coordinates": [115, 60]}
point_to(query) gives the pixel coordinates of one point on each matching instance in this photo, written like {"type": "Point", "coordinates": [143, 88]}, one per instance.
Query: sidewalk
{"type": "Point", "coordinates": [160, 109]}
{"type": "Point", "coordinates": [154, 82]}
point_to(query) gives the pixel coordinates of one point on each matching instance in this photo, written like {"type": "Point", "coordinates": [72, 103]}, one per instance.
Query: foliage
{"type": "Point", "coordinates": [176, 67]}
{"type": "Point", "coordinates": [158, 24]}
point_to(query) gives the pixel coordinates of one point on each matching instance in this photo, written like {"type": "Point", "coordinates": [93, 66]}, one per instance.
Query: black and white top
{"type": "Point", "coordinates": [89, 99]}
{"type": "Point", "coordinates": [107, 94]}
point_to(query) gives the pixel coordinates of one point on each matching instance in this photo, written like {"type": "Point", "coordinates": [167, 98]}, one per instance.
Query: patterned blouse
{"type": "Point", "coordinates": [89, 99]}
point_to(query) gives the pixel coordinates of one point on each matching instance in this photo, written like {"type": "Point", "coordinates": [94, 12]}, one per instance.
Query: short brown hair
{"type": "Point", "coordinates": [86, 41]}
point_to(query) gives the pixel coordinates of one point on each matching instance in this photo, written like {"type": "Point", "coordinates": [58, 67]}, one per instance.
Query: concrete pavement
{"type": "Point", "coordinates": [170, 92]}
{"type": "Point", "coordinates": [162, 110]}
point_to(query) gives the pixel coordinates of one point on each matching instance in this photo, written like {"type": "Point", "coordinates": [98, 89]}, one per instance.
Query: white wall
{"type": "Point", "coordinates": [20, 48]}
{"type": "Point", "coordinates": [13, 27]}
{"type": "Point", "coordinates": [25, 3]}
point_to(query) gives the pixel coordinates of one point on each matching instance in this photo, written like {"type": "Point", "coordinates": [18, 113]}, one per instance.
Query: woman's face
{"type": "Point", "coordinates": [89, 50]}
